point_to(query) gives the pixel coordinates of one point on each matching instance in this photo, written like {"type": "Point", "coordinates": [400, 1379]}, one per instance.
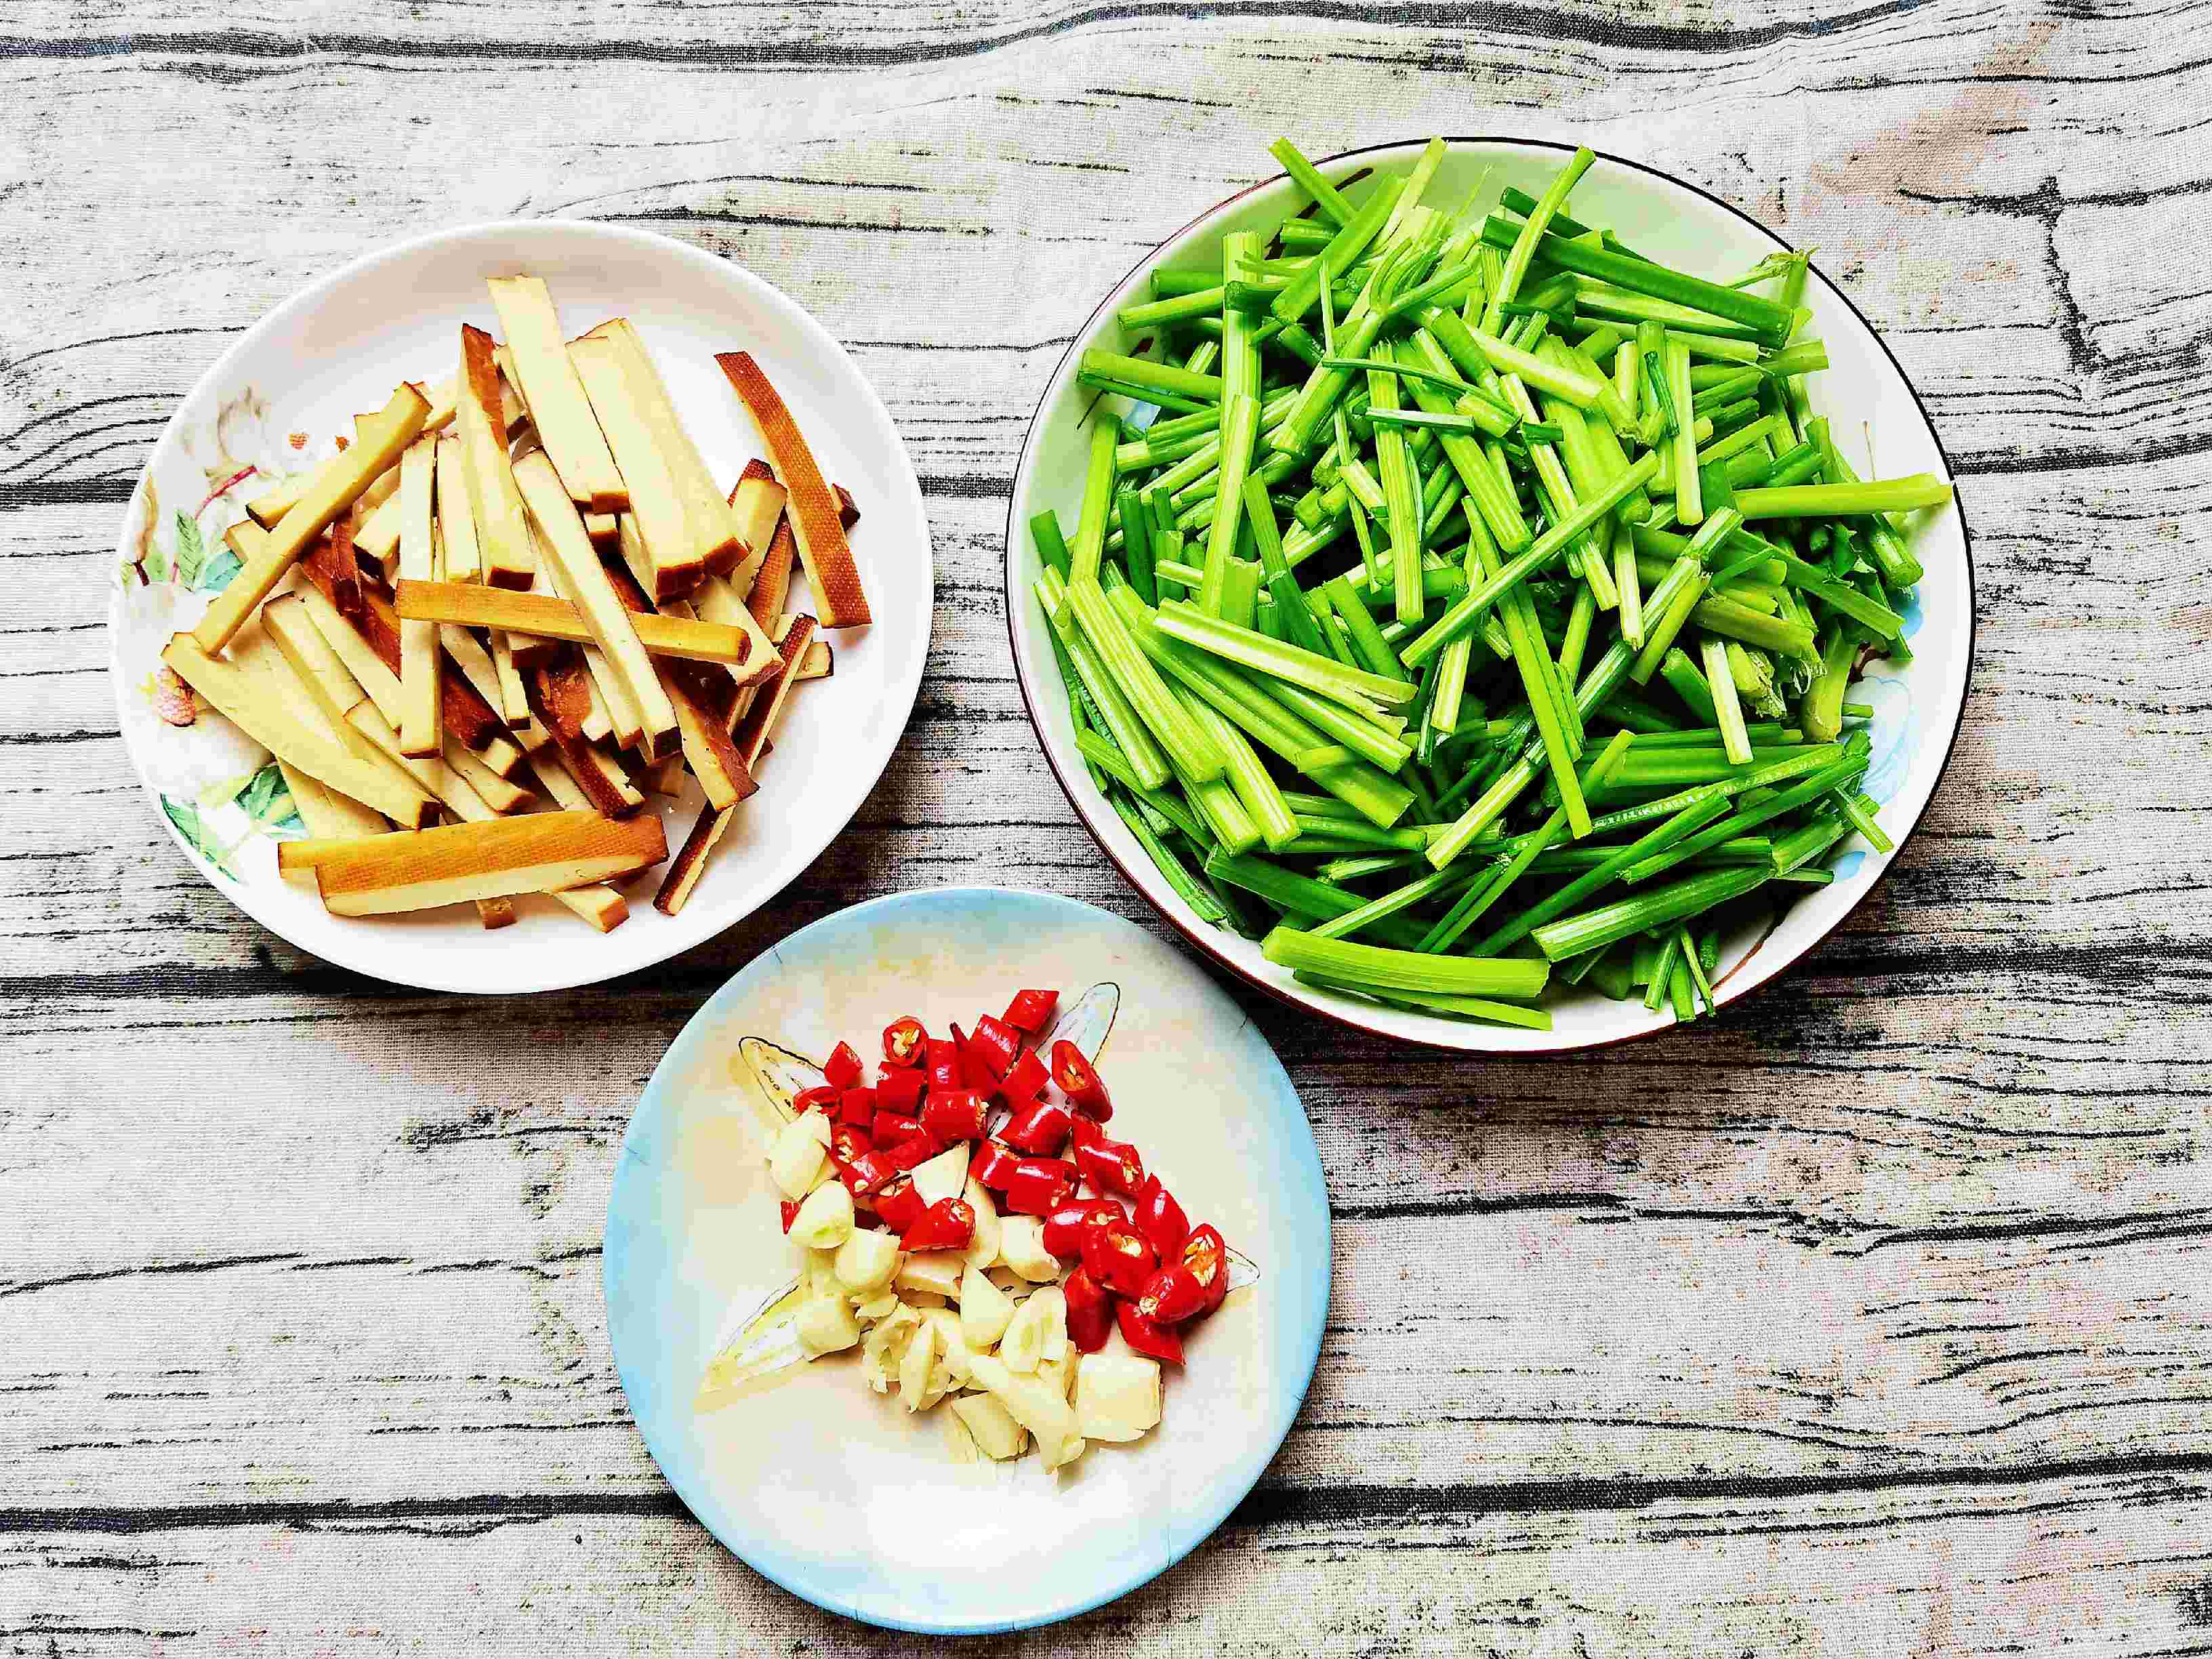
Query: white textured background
{"type": "Point", "coordinates": [1869, 1319]}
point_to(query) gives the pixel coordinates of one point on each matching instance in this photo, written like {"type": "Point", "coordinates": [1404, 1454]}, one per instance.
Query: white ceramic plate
{"type": "Point", "coordinates": [1863, 391]}
{"type": "Point", "coordinates": [832, 1491]}
{"type": "Point", "coordinates": [339, 347]}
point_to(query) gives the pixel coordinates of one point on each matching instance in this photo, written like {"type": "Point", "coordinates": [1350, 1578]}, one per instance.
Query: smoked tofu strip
{"type": "Point", "coordinates": [420, 658]}
{"type": "Point", "coordinates": [812, 510]}
{"type": "Point", "coordinates": [248, 702]}
{"type": "Point", "coordinates": [419, 870]}
{"type": "Point", "coordinates": [717, 532]}
{"type": "Point", "coordinates": [505, 551]}
{"type": "Point", "coordinates": [586, 583]}
{"type": "Point", "coordinates": [384, 437]}
{"type": "Point", "coordinates": [558, 408]}
{"type": "Point", "coordinates": [661, 531]}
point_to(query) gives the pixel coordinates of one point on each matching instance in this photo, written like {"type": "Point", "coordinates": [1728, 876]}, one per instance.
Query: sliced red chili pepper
{"type": "Point", "coordinates": [1206, 1254]}
{"type": "Point", "coordinates": [1038, 1186]}
{"type": "Point", "coordinates": [1147, 1336]}
{"type": "Point", "coordinates": [1065, 1227]}
{"type": "Point", "coordinates": [889, 1128]}
{"type": "Point", "coordinates": [899, 1205]}
{"type": "Point", "coordinates": [1025, 1080]}
{"type": "Point", "coordinates": [848, 1142]}
{"type": "Point", "coordinates": [1079, 1081]}
{"type": "Point", "coordinates": [1118, 1257]}
{"type": "Point", "coordinates": [821, 1097]}
{"type": "Point", "coordinates": [1032, 1010]}
{"type": "Point", "coordinates": [913, 1154]}
{"type": "Point", "coordinates": [868, 1173]}
{"type": "Point", "coordinates": [947, 1225]}
{"type": "Point", "coordinates": [1040, 1127]}
{"type": "Point", "coordinates": [954, 1114]}
{"type": "Point", "coordinates": [1112, 1166]}
{"type": "Point", "coordinates": [995, 1043]}
{"type": "Point", "coordinates": [842, 1068]}
{"type": "Point", "coordinates": [994, 1165]}
{"type": "Point", "coordinates": [1083, 1131]}
{"type": "Point", "coordinates": [1160, 1219]}
{"type": "Point", "coordinates": [790, 1213]}
{"type": "Point", "coordinates": [944, 1063]}
{"type": "Point", "coordinates": [1171, 1295]}
{"type": "Point", "coordinates": [900, 1091]}
{"type": "Point", "coordinates": [857, 1107]}
{"type": "Point", "coordinates": [976, 1075]}
{"type": "Point", "coordinates": [1090, 1311]}
{"type": "Point", "coordinates": [902, 1042]}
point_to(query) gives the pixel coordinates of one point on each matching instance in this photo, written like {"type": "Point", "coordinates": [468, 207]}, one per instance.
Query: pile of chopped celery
{"type": "Point", "coordinates": [1464, 604]}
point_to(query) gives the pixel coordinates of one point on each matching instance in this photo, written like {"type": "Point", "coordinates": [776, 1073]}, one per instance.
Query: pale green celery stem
{"type": "Point", "coordinates": [1507, 285]}
{"type": "Point", "coordinates": [1240, 593]}
{"type": "Point", "coordinates": [1245, 774]}
{"type": "Point", "coordinates": [1123, 722]}
{"type": "Point", "coordinates": [1355, 687]}
{"type": "Point", "coordinates": [1728, 709]}
{"type": "Point", "coordinates": [1188, 748]}
{"type": "Point", "coordinates": [1240, 422]}
{"type": "Point", "coordinates": [1097, 501]}
{"type": "Point", "coordinates": [1417, 180]}
{"type": "Point", "coordinates": [1400, 497]}
{"type": "Point", "coordinates": [1275, 718]}
{"type": "Point", "coordinates": [1240, 353]}
{"type": "Point", "coordinates": [1689, 502]}
{"type": "Point", "coordinates": [1327, 199]}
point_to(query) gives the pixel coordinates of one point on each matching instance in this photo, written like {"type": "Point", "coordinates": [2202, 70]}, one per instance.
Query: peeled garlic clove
{"type": "Point", "coordinates": [801, 1151]}
{"type": "Point", "coordinates": [1030, 1330]}
{"type": "Point", "coordinates": [932, 1273]}
{"type": "Point", "coordinates": [985, 1310]}
{"type": "Point", "coordinates": [995, 1433]}
{"type": "Point", "coordinates": [943, 1176]}
{"type": "Point", "coordinates": [825, 1220]}
{"type": "Point", "coordinates": [1117, 1395]}
{"type": "Point", "coordinates": [825, 1325]}
{"type": "Point", "coordinates": [952, 1349]}
{"type": "Point", "coordinates": [866, 1261]}
{"type": "Point", "coordinates": [983, 1248]}
{"type": "Point", "coordinates": [1021, 1246]}
{"type": "Point", "coordinates": [1033, 1404]}
{"type": "Point", "coordinates": [913, 1366]}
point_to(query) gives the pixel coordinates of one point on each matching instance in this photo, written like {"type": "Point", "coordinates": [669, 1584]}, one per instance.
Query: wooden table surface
{"type": "Point", "coordinates": [1870, 1318]}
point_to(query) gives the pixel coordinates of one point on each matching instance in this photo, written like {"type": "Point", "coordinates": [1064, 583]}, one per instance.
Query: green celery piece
{"type": "Point", "coordinates": [1531, 234]}
{"type": "Point", "coordinates": [1136, 522]}
{"type": "Point", "coordinates": [1178, 877]}
{"type": "Point", "coordinates": [1123, 723]}
{"type": "Point", "coordinates": [1187, 747]}
{"type": "Point", "coordinates": [1355, 687]}
{"type": "Point", "coordinates": [1380, 967]}
{"type": "Point", "coordinates": [1343, 249]}
{"type": "Point", "coordinates": [1240, 422]}
{"type": "Point", "coordinates": [1482, 1008]}
{"type": "Point", "coordinates": [1592, 930]}
{"type": "Point", "coordinates": [1052, 548]}
{"type": "Point", "coordinates": [1329, 200]}
{"type": "Point", "coordinates": [1097, 503]}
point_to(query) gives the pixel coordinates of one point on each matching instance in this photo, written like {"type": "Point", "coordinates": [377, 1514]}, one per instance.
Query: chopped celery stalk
{"type": "Point", "coordinates": [1380, 967]}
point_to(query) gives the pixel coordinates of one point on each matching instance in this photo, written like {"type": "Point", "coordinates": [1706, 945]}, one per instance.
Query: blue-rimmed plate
{"type": "Point", "coordinates": [835, 1492]}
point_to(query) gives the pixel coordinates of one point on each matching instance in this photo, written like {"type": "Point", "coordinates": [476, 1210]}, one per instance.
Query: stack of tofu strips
{"type": "Point", "coordinates": [512, 607]}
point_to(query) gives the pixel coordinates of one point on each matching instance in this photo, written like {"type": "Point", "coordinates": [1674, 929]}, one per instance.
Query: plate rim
{"type": "Point", "coordinates": [903, 696]}
{"type": "Point", "coordinates": [1738, 984]}
{"type": "Point", "coordinates": [1306, 1343]}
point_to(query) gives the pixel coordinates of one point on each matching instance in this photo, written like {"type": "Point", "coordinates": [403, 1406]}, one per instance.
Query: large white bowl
{"type": "Point", "coordinates": [1863, 391]}
{"type": "Point", "coordinates": [340, 346]}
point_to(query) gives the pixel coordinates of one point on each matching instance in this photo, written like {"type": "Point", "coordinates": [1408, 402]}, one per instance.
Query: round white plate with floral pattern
{"type": "Point", "coordinates": [268, 408]}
